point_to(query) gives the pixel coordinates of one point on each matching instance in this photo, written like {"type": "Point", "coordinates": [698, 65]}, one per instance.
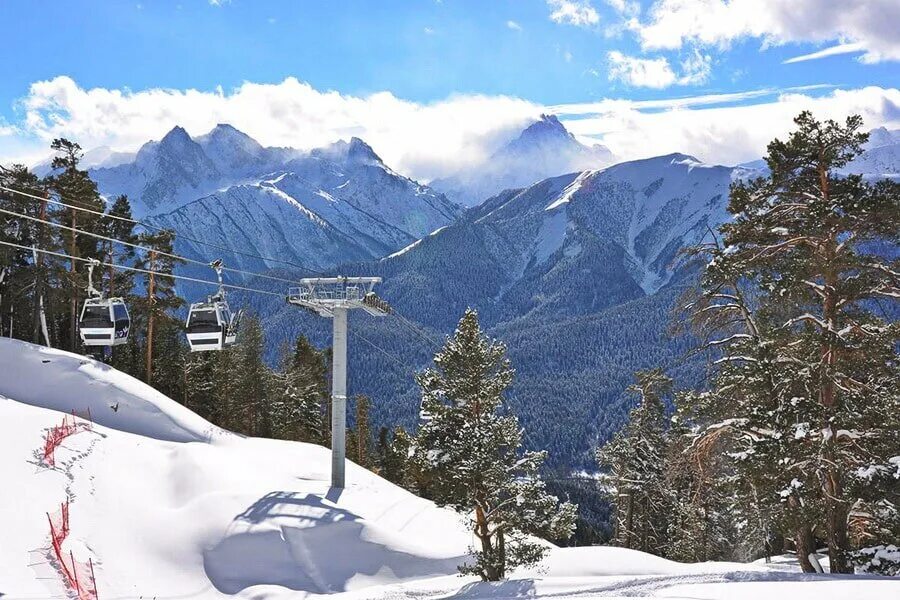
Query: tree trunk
{"type": "Point", "coordinates": [629, 521]}
{"type": "Point", "coordinates": [501, 554]}
{"type": "Point", "coordinates": [836, 515]}
{"type": "Point", "coordinates": [73, 302]}
{"type": "Point", "coordinates": [112, 290]}
{"type": "Point", "coordinates": [39, 323]}
{"type": "Point", "coordinates": [832, 488]}
{"type": "Point", "coordinates": [805, 544]}
{"type": "Point", "coordinates": [490, 570]}
{"type": "Point", "coordinates": [151, 296]}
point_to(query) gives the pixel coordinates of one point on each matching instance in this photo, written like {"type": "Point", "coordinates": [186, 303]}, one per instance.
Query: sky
{"type": "Point", "coordinates": [437, 85]}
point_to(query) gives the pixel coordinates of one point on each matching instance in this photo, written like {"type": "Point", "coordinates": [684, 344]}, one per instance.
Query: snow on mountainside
{"type": "Point", "coordinates": [209, 514]}
{"type": "Point", "coordinates": [337, 204]}
{"type": "Point", "coordinates": [881, 155]}
{"type": "Point", "coordinates": [576, 243]}
{"type": "Point", "coordinates": [544, 149]}
{"type": "Point", "coordinates": [320, 208]}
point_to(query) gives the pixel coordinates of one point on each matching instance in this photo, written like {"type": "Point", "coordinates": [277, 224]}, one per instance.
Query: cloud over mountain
{"type": "Point", "coordinates": [428, 141]}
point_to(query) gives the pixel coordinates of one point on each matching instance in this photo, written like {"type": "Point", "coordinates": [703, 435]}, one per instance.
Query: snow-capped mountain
{"type": "Point", "coordinates": [544, 149]}
{"type": "Point", "coordinates": [881, 157]}
{"type": "Point", "coordinates": [178, 169]}
{"type": "Point", "coordinates": [576, 274]}
{"type": "Point", "coordinates": [576, 243]}
{"type": "Point", "coordinates": [319, 208]}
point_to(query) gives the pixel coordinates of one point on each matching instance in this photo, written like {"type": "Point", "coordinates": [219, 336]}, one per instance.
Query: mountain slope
{"type": "Point", "coordinates": [544, 149]}
{"type": "Point", "coordinates": [333, 204]}
{"type": "Point", "coordinates": [338, 204]}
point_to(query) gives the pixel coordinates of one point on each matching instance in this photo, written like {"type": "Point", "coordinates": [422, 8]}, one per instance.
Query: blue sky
{"type": "Point", "coordinates": [547, 53]}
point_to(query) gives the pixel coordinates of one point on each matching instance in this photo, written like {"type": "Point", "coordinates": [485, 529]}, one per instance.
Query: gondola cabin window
{"type": "Point", "coordinates": [96, 317]}
{"type": "Point", "coordinates": [203, 321]}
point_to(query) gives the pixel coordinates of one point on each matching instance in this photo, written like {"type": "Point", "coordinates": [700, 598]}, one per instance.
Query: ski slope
{"type": "Point", "coordinates": [166, 505]}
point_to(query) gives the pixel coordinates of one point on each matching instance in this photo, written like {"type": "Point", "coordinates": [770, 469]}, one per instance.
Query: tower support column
{"type": "Point", "coordinates": [339, 398]}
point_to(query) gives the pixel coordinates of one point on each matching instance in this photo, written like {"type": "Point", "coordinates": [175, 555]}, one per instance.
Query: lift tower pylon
{"type": "Point", "coordinates": [333, 297]}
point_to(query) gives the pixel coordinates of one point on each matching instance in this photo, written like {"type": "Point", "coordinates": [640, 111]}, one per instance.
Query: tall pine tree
{"type": "Point", "coordinates": [810, 386]}
{"type": "Point", "coordinates": [471, 453]}
{"type": "Point", "coordinates": [635, 458]}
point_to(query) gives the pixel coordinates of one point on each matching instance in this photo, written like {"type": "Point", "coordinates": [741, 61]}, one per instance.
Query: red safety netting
{"type": "Point", "coordinates": [56, 434]}
{"type": "Point", "coordinates": [78, 576]}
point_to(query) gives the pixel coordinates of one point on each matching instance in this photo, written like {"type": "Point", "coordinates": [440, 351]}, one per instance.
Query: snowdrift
{"type": "Point", "coordinates": [67, 382]}
{"type": "Point", "coordinates": [166, 505]}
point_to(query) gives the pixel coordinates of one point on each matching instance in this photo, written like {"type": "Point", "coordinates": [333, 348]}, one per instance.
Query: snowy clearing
{"type": "Point", "coordinates": [167, 505]}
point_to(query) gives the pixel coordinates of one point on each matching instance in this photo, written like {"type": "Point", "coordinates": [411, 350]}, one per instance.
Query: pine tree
{"type": "Point", "coordinates": [393, 457]}
{"type": "Point", "coordinates": [472, 455]}
{"type": "Point", "coordinates": [198, 372]}
{"type": "Point", "coordinates": [119, 282]}
{"type": "Point", "coordinates": [25, 275]}
{"type": "Point", "coordinates": [809, 387]}
{"type": "Point", "coordinates": [251, 397]}
{"type": "Point", "coordinates": [699, 485]}
{"type": "Point", "coordinates": [301, 393]}
{"type": "Point", "coordinates": [76, 188]}
{"type": "Point", "coordinates": [635, 459]}
{"type": "Point", "coordinates": [362, 431]}
{"type": "Point", "coordinates": [159, 299]}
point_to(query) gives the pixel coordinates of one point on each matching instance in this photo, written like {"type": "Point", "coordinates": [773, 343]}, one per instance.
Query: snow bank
{"type": "Point", "coordinates": [63, 381]}
{"type": "Point", "coordinates": [167, 510]}
{"type": "Point", "coordinates": [174, 511]}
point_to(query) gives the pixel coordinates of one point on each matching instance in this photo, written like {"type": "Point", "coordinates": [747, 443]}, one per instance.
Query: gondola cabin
{"type": "Point", "coordinates": [104, 322]}
{"type": "Point", "coordinates": [210, 326]}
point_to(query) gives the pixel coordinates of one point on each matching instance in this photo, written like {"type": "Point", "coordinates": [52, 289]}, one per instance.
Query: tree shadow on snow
{"type": "Point", "coordinates": [515, 588]}
{"type": "Point", "coordinates": [303, 543]}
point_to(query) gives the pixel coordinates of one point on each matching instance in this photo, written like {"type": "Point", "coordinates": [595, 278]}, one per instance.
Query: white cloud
{"type": "Point", "coordinates": [431, 140]}
{"type": "Point", "coordinates": [641, 72]}
{"type": "Point", "coordinates": [871, 23]}
{"type": "Point", "coordinates": [513, 25]}
{"type": "Point", "coordinates": [421, 140]}
{"type": "Point", "coordinates": [657, 72]}
{"type": "Point", "coordinates": [825, 52]}
{"type": "Point", "coordinates": [428, 31]}
{"type": "Point", "coordinates": [716, 133]}
{"type": "Point", "coordinates": [628, 8]}
{"type": "Point", "coordinates": [573, 12]}
{"type": "Point", "coordinates": [695, 68]}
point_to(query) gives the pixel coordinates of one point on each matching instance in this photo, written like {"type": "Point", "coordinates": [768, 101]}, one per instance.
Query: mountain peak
{"type": "Point", "coordinates": [360, 151]}
{"type": "Point", "coordinates": [548, 129]}
{"type": "Point", "coordinates": [177, 135]}
{"type": "Point", "coordinates": [882, 136]}
{"type": "Point", "coordinates": [225, 138]}
{"type": "Point", "coordinates": [356, 151]}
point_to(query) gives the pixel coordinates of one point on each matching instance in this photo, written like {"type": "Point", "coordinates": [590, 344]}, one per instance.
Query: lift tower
{"type": "Point", "coordinates": [332, 297]}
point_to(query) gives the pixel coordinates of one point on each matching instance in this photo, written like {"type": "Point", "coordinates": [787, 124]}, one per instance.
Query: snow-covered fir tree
{"type": "Point", "coordinates": [701, 515]}
{"type": "Point", "coordinates": [470, 451]}
{"type": "Point", "coordinates": [635, 459]}
{"type": "Point", "coordinates": [302, 391]}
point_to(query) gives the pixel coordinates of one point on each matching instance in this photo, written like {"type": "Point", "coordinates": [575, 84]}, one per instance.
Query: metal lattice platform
{"type": "Point", "coordinates": [324, 294]}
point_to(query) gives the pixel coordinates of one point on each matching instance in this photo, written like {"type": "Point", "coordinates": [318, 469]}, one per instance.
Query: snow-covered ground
{"type": "Point", "coordinates": [169, 506]}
